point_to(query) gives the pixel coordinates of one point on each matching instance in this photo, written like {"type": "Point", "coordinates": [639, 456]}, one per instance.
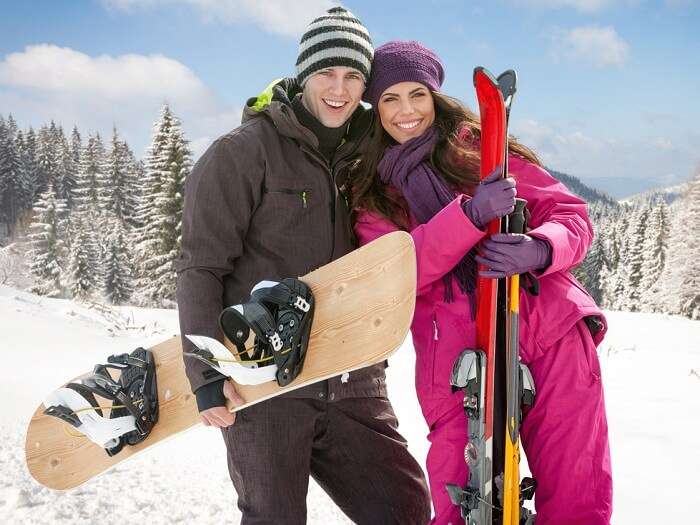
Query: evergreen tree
{"type": "Point", "coordinates": [117, 196]}
{"type": "Point", "coordinates": [590, 272]}
{"type": "Point", "coordinates": [25, 184]}
{"type": "Point", "coordinates": [689, 279]}
{"type": "Point", "coordinates": [32, 164]}
{"type": "Point", "coordinates": [47, 157]}
{"type": "Point", "coordinates": [66, 170]}
{"type": "Point", "coordinates": [90, 175]}
{"type": "Point", "coordinates": [635, 258]}
{"type": "Point", "coordinates": [13, 178]}
{"type": "Point", "coordinates": [167, 165]}
{"type": "Point", "coordinates": [117, 275]}
{"type": "Point", "coordinates": [655, 246]}
{"type": "Point", "coordinates": [76, 146]}
{"type": "Point", "coordinates": [84, 257]}
{"type": "Point", "coordinates": [46, 245]}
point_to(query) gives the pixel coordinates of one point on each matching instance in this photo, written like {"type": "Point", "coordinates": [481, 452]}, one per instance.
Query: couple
{"type": "Point", "coordinates": [409, 163]}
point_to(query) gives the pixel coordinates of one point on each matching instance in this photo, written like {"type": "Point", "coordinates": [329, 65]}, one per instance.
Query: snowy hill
{"type": "Point", "coordinates": [587, 193]}
{"type": "Point", "coordinates": [670, 195]}
{"type": "Point", "coordinates": [651, 369]}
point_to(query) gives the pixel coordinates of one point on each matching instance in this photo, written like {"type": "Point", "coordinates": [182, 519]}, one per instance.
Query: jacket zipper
{"type": "Point", "coordinates": [304, 194]}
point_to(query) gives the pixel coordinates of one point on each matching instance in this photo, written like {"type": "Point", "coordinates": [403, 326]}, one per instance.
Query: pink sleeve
{"type": "Point", "coordinates": [557, 215]}
{"type": "Point", "coordinates": [440, 243]}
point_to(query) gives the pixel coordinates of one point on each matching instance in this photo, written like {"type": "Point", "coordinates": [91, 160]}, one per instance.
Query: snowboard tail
{"type": "Point", "coordinates": [364, 308]}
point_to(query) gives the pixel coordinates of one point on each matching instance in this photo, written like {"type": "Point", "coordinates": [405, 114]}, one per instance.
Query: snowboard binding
{"type": "Point", "coordinates": [280, 316]}
{"type": "Point", "coordinates": [134, 397]}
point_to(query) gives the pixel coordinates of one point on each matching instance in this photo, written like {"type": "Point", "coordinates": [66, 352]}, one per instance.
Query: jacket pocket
{"type": "Point", "coordinates": [302, 194]}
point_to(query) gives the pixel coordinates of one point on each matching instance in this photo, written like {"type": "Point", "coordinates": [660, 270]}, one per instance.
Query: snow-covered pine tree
{"type": "Point", "coordinates": [116, 197]}
{"type": "Point", "coordinates": [84, 261]}
{"type": "Point", "coordinates": [46, 244]}
{"type": "Point", "coordinates": [11, 124]}
{"type": "Point", "coordinates": [13, 177]}
{"type": "Point", "coordinates": [66, 169]}
{"type": "Point", "coordinates": [90, 174]}
{"type": "Point", "coordinates": [688, 246]}
{"type": "Point", "coordinates": [117, 281]}
{"type": "Point", "coordinates": [47, 157]}
{"type": "Point", "coordinates": [26, 183]}
{"type": "Point", "coordinates": [32, 163]}
{"type": "Point", "coordinates": [613, 290]}
{"type": "Point", "coordinates": [590, 271]}
{"type": "Point", "coordinates": [635, 257]}
{"type": "Point", "coordinates": [655, 246]}
{"type": "Point", "coordinates": [76, 145]}
{"type": "Point", "coordinates": [167, 165]}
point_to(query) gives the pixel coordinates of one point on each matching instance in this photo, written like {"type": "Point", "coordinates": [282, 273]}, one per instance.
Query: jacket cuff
{"type": "Point", "coordinates": [210, 395]}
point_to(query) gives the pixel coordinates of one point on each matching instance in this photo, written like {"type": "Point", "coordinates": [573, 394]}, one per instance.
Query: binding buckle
{"type": "Point", "coordinates": [302, 304]}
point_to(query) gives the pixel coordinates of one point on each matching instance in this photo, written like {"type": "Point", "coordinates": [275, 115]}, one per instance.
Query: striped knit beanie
{"type": "Point", "coordinates": [335, 39]}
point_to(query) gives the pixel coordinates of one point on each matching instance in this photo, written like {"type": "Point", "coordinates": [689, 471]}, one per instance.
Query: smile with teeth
{"type": "Point", "coordinates": [334, 103]}
{"type": "Point", "coordinates": [409, 125]}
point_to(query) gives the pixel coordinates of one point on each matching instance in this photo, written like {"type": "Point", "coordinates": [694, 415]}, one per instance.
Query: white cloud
{"type": "Point", "coordinates": [557, 148]}
{"type": "Point", "coordinates": [275, 16]}
{"type": "Point", "coordinates": [599, 46]}
{"type": "Point", "coordinates": [639, 163]}
{"type": "Point", "coordinates": [55, 69]}
{"type": "Point", "coordinates": [46, 82]}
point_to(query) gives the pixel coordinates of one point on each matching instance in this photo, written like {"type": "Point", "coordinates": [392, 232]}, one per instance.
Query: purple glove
{"type": "Point", "coordinates": [506, 254]}
{"type": "Point", "coordinates": [493, 198]}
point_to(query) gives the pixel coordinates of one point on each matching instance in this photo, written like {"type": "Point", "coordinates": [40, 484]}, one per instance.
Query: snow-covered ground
{"type": "Point", "coordinates": [651, 370]}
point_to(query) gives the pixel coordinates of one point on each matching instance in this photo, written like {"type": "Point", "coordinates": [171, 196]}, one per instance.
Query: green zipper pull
{"type": "Point", "coordinates": [303, 198]}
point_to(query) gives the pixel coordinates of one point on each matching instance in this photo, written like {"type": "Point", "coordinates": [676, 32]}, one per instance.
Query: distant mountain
{"type": "Point", "coordinates": [670, 194]}
{"type": "Point", "coordinates": [587, 193]}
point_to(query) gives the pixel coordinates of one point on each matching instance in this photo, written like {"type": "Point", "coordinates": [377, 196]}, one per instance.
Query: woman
{"type": "Point", "coordinates": [421, 174]}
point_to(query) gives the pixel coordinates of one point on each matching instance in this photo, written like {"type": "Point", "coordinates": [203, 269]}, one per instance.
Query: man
{"type": "Point", "coordinates": [264, 203]}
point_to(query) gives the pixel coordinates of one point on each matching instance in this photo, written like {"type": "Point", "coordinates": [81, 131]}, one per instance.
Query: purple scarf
{"type": "Point", "coordinates": [407, 167]}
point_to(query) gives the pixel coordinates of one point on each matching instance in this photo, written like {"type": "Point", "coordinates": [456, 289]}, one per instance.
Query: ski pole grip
{"type": "Point", "coordinates": [516, 220]}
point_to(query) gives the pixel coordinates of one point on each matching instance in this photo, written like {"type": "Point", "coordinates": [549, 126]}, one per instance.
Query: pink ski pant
{"type": "Point", "coordinates": [564, 436]}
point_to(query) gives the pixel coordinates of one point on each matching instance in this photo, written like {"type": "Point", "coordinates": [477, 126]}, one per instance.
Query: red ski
{"type": "Point", "coordinates": [491, 375]}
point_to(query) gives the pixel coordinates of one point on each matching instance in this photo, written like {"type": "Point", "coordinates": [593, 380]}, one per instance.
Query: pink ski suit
{"type": "Point", "coordinates": [565, 435]}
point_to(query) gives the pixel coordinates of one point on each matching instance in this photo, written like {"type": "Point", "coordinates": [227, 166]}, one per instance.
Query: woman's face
{"type": "Point", "coordinates": [406, 110]}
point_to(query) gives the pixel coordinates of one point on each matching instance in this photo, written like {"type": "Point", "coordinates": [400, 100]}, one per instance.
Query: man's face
{"type": "Point", "coordinates": [333, 94]}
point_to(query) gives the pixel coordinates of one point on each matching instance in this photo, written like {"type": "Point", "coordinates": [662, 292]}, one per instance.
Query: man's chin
{"type": "Point", "coordinates": [334, 121]}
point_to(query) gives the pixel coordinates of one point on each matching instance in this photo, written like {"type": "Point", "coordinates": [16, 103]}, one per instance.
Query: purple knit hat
{"type": "Point", "coordinates": [403, 61]}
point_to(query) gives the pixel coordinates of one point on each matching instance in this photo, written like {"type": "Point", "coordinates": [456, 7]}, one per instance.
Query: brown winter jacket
{"type": "Point", "coordinates": [263, 203]}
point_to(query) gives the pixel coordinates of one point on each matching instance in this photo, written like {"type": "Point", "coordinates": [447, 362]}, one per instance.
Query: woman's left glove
{"type": "Point", "coordinates": [506, 254]}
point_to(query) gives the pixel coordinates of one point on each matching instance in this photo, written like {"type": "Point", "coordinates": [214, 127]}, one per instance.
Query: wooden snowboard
{"type": "Point", "coordinates": [364, 308]}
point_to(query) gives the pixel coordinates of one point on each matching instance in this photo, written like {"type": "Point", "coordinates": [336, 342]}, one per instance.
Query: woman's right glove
{"type": "Point", "coordinates": [493, 198]}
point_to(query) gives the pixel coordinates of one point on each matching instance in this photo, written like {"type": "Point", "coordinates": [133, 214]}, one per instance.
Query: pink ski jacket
{"type": "Point", "coordinates": [442, 330]}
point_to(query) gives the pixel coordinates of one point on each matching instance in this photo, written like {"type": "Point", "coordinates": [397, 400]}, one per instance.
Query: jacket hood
{"type": "Point", "coordinates": [275, 104]}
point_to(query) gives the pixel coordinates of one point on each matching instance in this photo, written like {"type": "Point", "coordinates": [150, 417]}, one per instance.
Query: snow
{"type": "Point", "coordinates": [651, 370]}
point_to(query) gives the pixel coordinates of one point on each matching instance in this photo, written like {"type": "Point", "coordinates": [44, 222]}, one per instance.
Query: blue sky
{"type": "Point", "coordinates": [607, 88]}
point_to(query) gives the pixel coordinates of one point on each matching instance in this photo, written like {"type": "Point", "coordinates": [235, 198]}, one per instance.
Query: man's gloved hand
{"type": "Point", "coordinates": [211, 401]}
{"type": "Point", "coordinates": [493, 198]}
{"type": "Point", "coordinates": [506, 254]}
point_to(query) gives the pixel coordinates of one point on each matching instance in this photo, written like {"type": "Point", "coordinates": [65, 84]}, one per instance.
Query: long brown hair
{"type": "Point", "coordinates": [455, 157]}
